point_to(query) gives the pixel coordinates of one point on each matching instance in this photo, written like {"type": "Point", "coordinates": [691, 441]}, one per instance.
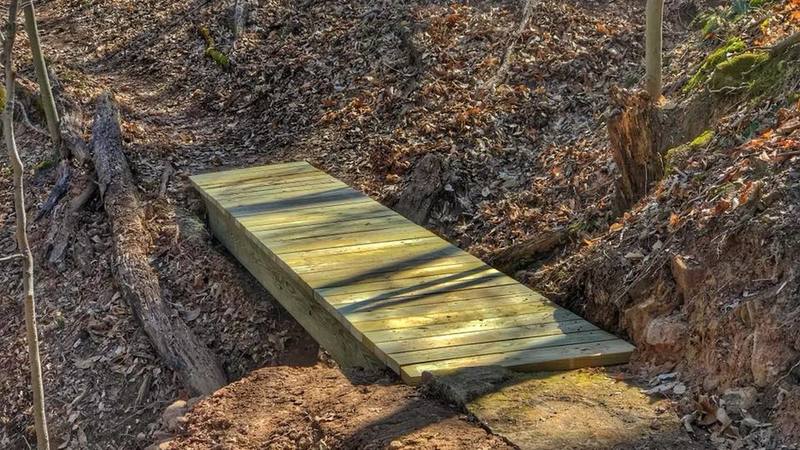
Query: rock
{"type": "Point", "coordinates": [688, 275]}
{"type": "Point", "coordinates": [768, 355]}
{"type": "Point", "coordinates": [172, 417]}
{"type": "Point", "coordinates": [740, 399]}
{"type": "Point", "coordinates": [666, 333]}
{"type": "Point", "coordinates": [468, 384]}
{"type": "Point", "coordinates": [639, 316]}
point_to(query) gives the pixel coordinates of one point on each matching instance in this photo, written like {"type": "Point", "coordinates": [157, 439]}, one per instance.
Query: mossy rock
{"type": "Point", "coordinates": [756, 72]}
{"type": "Point", "coordinates": [677, 156]}
{"type": "Point", "coordinates": [714, 59]}
{"type": "Point", "coordinates": [2, 98]}
{"type": "Point", "coordinates": [737, 70]}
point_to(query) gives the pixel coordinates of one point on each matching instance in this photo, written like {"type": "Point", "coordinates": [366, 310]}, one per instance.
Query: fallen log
{"type": "Point", "coordinates": [516, 256]}
{"type": "Point", "coordinates": [177, 345]}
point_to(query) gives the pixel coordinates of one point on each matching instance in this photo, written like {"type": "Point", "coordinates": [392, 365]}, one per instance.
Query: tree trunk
{"type": "Point", "coordinates": [655, 18]}
{"type": "Point", "coordinates": [173, 340]}
{"type": "Point", "coordinates": [45, 91]}
{"type": "Point", "coordinates": [39, 416]}
{"type": "Point", "coordinates": [635, 134]}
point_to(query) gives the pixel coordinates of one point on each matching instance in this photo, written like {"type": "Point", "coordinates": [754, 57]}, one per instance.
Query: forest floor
{"type": "Point", "coordinates": [514, 116]}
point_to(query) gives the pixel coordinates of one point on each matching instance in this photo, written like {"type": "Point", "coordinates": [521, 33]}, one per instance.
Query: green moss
{"type": "Point", "coordinates": [2, 98]}
{"type": "Point", "coordinates": [44, 164]}
{"type": "Point", "coordinates": [677, 156]}
{"type": "Point", "coordinates": [212, 52]}
{"type": "Point", "coordinates": [703, 139]}
{"type": "Point", "coordinates": [756, 72]}
{"type": "Point", "coordinates": [218, 57]}
{"type": "Point", "coordinates": [717, 57]}
{"type": "Point", "coordinates": [736, 70]}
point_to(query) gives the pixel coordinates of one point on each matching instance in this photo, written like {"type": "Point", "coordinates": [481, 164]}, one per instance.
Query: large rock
{"type": "Point", "coordinates": [739, 400]}
{"type": "Point", "coordinates": [173, 416]}
{"type": "Point", "coordinates": [666, 333]}
{"type": "Point", "coordinates": [688, 275]}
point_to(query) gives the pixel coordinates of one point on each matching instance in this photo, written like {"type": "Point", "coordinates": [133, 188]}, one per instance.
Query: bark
{"type": "Point", "coordinates": [62, 227]}
{"type": "Point", "coordinates": [59, 190]}
{"type": "Point", "coordinates": [178, 347]}
{"type": "Point", "coordinates": [424, 189]}
{"type": "Point", "coordinates": [511, 258]}
{"type": "Point", "coordinates": [635, 134]}
{"type": "Point", "coordinates": [655, 18]}
{"type": "Point", "coordinates": [39, 416]}
{"type": "Point", "coordinates": [46, 92]}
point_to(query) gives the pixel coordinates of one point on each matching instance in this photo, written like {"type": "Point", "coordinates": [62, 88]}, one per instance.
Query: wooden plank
{"type": "Point", "coordinates": [365, 326]}
{"type": "Point", "coordinates": [408, 286]}
{"type": "Point", "coordinates": [296, 297]}
{"type": "Point", "coordinates": [428, 242]}
{"type": "Point", "coordinates": [386, 257]}
{"type": "Point", "coordinates": [356, 225]}
{"type": "Point", "coordinates": [332, 277]}
{"type": "Point", "coordinates": [402, 310]}
{"type": "Point", "coordinates": [468, 326]}
{"type": "Point", "coordinates": [331, 197]}
{"type": "Point", "coordinates": [348, 240]}
{"type": "Point", "coordinates": [505, 346]}
{"type": "Point", "coordinates": [266, 185]}
{"type": "Point", "coordinates": [261, 191]}
{"type": "Point", "coordinates": [442, 292]}
{"type": "Point", "coordinates": [333, 212]}
{"type": "Point", "coordinates": [220, 179]}
{"type": "Point", "coordinates": [554, 358]}
{"type": "Point", "coordinates": [461, 294]}
{"type": "Point", "coordinates": [491, 335]}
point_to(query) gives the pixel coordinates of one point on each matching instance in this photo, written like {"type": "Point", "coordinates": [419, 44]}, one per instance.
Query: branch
{"type": "Point", "coordinates": [11, 257]}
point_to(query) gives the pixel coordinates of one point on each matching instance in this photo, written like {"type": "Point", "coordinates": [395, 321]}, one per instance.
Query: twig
{"type": "Point", "coordinates": [10, 257]}
{"type": "Point", "coordinates": [498, 77]}
{"type": "Point", "coordinates": [789, 372]}
{"type": "Point", "coordinates": [27, 121]}
{"type": "Point", "coordinates": [168, 171]}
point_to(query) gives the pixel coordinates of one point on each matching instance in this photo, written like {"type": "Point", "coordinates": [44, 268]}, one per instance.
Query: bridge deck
{"type": "Point", "coordinates": [362, 278]}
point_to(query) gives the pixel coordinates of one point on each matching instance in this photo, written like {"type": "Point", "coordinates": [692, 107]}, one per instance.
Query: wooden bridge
{"type": "Point", "coordinates": [369, 285]}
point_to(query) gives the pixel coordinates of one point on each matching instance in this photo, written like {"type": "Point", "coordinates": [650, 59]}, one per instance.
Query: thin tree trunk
{"type": "Point", "coordinates": [40, 419]}
{"type": "Point", "coordinates": [45, 91]}
{"type": "Point", "coordinates": [655, 18]}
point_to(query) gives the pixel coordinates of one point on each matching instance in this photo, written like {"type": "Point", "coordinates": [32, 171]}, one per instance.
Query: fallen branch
{"type": "Point", "coordinates": [500, 75]}
{"type": "Point", "coordinates": [10, 257]}
{"type": "Point", "coordinates": [59, 190]}
{"type": "Point", "coordinates": [212, 52]}
{"type": "Point", "coordinates": [514, 256]}
{"type": "Point", "coordinates": [177, 345]}
{"type": "Point", "coordinates": [62, 229]}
